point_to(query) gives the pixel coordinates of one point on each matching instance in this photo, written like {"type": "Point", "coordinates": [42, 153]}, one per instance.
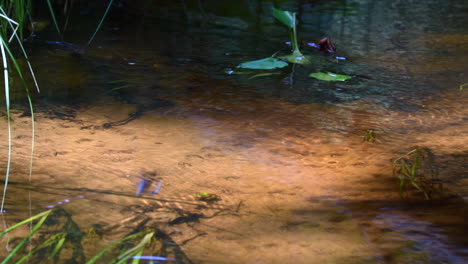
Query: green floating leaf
{"type": "Point", "coordinates": [330, 76]}
{"type": "Point", "coordinates": [288, 18]}
{"type": "Point", "coordinates": [263, 64]}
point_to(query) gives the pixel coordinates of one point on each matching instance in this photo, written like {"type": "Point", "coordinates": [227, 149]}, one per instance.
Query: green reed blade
{"type": "Point", "coordinates": [402, 186]}
{"type": "Point", "coordinates": [24, 240]}
{"type": "Point", "coordinates": [30, 219]}
{"type": "Point", "coordinates": [18, 70]}
{"type": "Point", "coordinates": [52, 14]}
{"type": "Point", "coordinates": [50, 241]}
{"type": "Point", "coordinates": [100, 23]}
{"type": "Point", "coordinates": [101, 253]}
{"type": "Point", "coordinates": [141, 246]}
{"type": "Point", "coordinates": [7, 101]}
{"type": "Point", "coordinates": [136, 260]}
{"type": "Point", "coordinates": [12, 24]}
{"type": "Point", "coordinates": [58, 247]}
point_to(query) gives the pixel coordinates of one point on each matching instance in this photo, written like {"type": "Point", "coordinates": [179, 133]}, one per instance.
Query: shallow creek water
{"type": "Point", "coordinates": [285, 154]}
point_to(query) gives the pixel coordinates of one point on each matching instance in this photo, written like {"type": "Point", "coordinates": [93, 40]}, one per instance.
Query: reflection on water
{"type": "Point", "coordinates": [414, 241]}
{"type": "Point", "coordinates": [286, 156]}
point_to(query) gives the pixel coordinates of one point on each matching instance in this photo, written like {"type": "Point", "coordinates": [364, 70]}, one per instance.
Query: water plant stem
{"type": "Point", "coordinates": [7, 103]}
{"type": "Point", "coordinates": [100, 23]}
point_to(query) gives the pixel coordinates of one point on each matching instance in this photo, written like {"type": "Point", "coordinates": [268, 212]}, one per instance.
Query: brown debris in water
{"type": "Point", "coordinates": [326, 45]}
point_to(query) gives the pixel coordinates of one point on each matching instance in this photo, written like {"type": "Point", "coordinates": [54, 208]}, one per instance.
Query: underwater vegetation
{"type": "Point", "coordinates": [63, 243]}
{"type": "Point", "coordinates": [325, 45]}
{"type": "Point", "coordinates": [417, 169]}
{"type": "Point", "coordinates": [369, 136]}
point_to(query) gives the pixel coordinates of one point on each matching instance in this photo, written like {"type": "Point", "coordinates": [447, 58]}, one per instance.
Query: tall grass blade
{"type": "Point", "coordinates": [137, 260]}
{"type": "Point", "coordinates": [134, 250]}
{"type": "Point", "coordinates": [101, 253]}
{"type": "Point", "coordinates": [20, 74]}
{"type": "Point", "coordinates": [58, 247]}
{"type": "Point", "coordinates": [7, 102]}
{"type": "Point", "coordinates": [31, 233]}
{"type": "Point", "coordinates": [9, 20]}
{"type": "Point", "coordinates": [100, 23]}
{"type": "Point", "coordinates": [30, 219]}
{"type": "Point", "coordinates": [52, 14]}
{"type": "Point", "coordinates": [50, 241]}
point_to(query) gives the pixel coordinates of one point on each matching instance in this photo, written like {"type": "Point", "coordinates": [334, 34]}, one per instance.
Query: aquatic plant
{"type": "Point", "coordinates": [263, 64]}
{"type": "Point", "coordinates": [416, 168]}
{"type": "Point", "coordinates": [12, 30]}
{"type": "Point", "coordinates": [325, 45]}
{"type": "Point", "coordinates": [137, 250]}
{"type": "Point", "coordinates": [43, 216]}
{"type": "Point", "coordinates": [69, 5]}
{"type": "Point", "coordinates": [289, 19]}
{"type": "Point", "coordinates": [207, 197]}
{"type": "Point", "coordinates": [329, 76]}
{"type": "Point", "coordinates": [369, 136]}
{"type": "Point", "coordinates": [14, 14]}
{"type": "Point", "coordinates": [56, 242]}
{"type": "Point", "coordinates": [462, 86]}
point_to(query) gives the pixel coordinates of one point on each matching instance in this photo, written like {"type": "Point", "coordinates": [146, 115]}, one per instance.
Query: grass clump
{"type": "Point", "coordinates": [49, 245]}
{"type": "Point", "coordinates": [416, 168]}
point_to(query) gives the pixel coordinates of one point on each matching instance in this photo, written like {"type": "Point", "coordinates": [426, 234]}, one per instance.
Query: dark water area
{"type": "Point", "coordinates": [301, 168]}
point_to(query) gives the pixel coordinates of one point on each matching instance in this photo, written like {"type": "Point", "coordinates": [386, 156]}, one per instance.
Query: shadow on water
{"type": "Point", "coordinates": [253, 169]}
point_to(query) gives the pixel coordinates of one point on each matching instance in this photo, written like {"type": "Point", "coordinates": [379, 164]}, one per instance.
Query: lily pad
{"type": "Point", "coordinates": [263, 64]}
{"type": "Point", "coordinates": [330, 76]}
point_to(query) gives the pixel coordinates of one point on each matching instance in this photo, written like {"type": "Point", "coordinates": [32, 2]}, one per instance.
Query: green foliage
{"type": "Point", "coordinates": [136, 250]}
{"type": "Point", "coordinates": [54, 18]}
{"type": "Point", "coordinates": [55, 243]}
{"type": "Point", "coordinates": [286, 17]}
{"type": "Point", "coordinates": [462, 86]}
{"type": "Point", "coordinates": [100, 22]}
{"type": "Point", "coordinates": [296, 57]}
{"type": "Point", "coordinates": [10, 29]}
{"type": "Point", "coordinates": [264, 64]}
{"type": "Point", "coordinates": [207, 197]}
{"type": "Point", "coordinates": [369, 136]}
{"type": "Point", "coordinates": [42, 216]}
{"type": "Point", "coordinates": [57, 239]}
{"type": "Point", "coordinates": [289, 19]}
{"type": "Point", "coordinates": [17, 11]}
{"type": "Point", "coordinates": [98, 27]}
{"type": "Point", "coordinates": [415, 168]}
{"type": "Point", "coordinates": [330, 76]}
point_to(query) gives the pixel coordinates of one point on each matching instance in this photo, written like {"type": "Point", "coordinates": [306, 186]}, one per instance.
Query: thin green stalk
{"type": "Point", "coordinates": [58, 246]}
{"type": "Point", "coordinates": [23, 241]}
{"type": "Point", "coordinates": [20, 14]}
{"type": "Point", "coordinates": [134, 250]}
{"type": "Point", "coordinates": [100, 23]}
{"type": "Point", "coordinates": [14, 26]}
{"type": "Point", "coordinates": [60, 237]}
{"type": "Point", "coordinates": [52, 14]}
{"type": "Point", "coordinates": [30, 219]}
{"type": "Point", "coordinates": [7, 102]}
{"type": "Point", "coordinates": [139, 254]}
{"type": "Point", "coordinates": [20, 74]}
{"type": "Point", "coordinates": [294, 44]}
{"type": "Point", "coordinates": [67, 12]}
{"type": "Point", "coordinates": [101, 253]}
